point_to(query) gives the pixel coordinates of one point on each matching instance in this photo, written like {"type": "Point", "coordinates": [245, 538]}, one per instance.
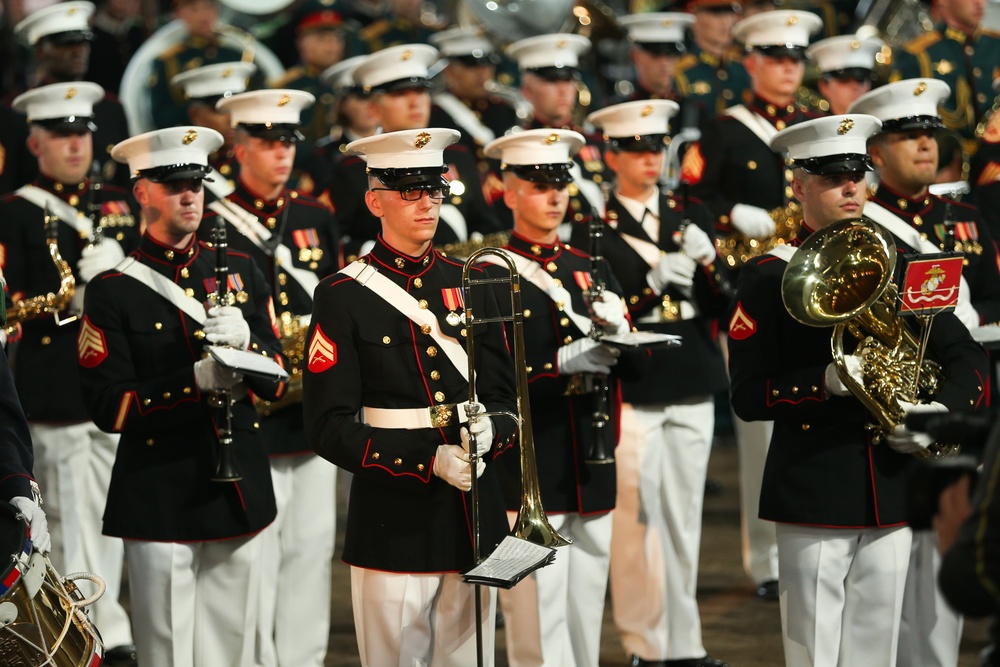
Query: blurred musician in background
{"type": "Point", "coordinates": [399, 22]}
{"type": "Point", "coordinates": [846, 68]}
{"type": "Point", "coordinates": [60, 37]}
{"type": "Point", "coordinates": [554, 616]}
{"type": "Point", "coordinates": [383, 340]}
{"type": "Point", "coordinates": [191, 542]}
{"type": "Point", "coordinates": [663, 251]}
{"type": "Point", "coordinates": [293, 239]}
{"type": "Point", "coordinates": [712, 71]}
{"type": "Point", "coordinates": [742, 180]}
{"type": "Point", "coordinates": [73, 458]}
{"type": "Point", "coordinates": [119, 30]}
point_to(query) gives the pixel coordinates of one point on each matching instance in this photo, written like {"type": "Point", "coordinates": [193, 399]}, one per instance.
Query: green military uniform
{"type": "Point", "coordinates": [168, 106]}
{"type": "Point", "coordinates": [718, 83]}
{"type": "Point", "coordinates": [967, 63]}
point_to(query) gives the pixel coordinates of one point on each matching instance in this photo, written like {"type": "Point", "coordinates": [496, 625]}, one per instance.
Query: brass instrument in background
{"type": "Point", "coordinates": [51, 303]}
{"type": "Point", "coordinates": [842, 276]}
{"type": "Point", "coordinates": [464, 249]}
{"type": "Point", "coordinates": [293, 329]}
{"type": "Point", "coordinates": [738, 249]}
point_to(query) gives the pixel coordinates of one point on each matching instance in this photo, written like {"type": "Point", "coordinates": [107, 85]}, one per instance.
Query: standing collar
{"type": "Point", "coordinates": [163, 254]}
{"type": "Point", "coordinates": [384, 255]}
{"type": "Point", "coordinates": [537, 251]}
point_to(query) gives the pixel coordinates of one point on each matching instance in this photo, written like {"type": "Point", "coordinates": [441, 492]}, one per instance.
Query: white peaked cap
{"type": "Point", "coordinates": [906, 99]}
{"type": "Point", "coordinates": [406, 61]}
{"type": "Point", "coordinates": [275, 106]}
{"type": "Point", "coordinates": [845, 52]}
{"type": "Point", "coordinates": [541, 146]}
{"type": "Point", "coordinates": [168, 147]}
{"type": "Point", "coordinates": [784, 27]}
{"type": "Point", "coordinates": [635, 119]}
{"type": "Point", "coordinates": [656, 27]}
{"type": "Point", "coordinates": [405, 149]}
{"type": "Point", "coordinates": [60, 17]}
{"type": "Point", "coordinates": [341, 75]}
{"type": "Point", "coordinates": [59, 100]}
{"type": "Point", "coordinates": [558, 50]}
{"type": "Point", "coordinates": [837, 142]}
{"type": "Point", "coordinates": [220, 79]}
{"type": "Point", "coordinates": [462, 42]}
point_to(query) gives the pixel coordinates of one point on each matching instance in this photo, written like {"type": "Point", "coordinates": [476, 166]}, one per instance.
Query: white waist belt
{"type": "Point", "coordinates": [436, 416]}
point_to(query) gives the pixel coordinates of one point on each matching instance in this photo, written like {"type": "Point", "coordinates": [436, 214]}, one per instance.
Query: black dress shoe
{"type": "Point", "coordinates": [124, 656]}
{"type": "Point", "coordinates": [639, 662]}
{"type": "Point", "coordinates": [687, 662]}
{"type": "Point", "coordinates": [768, 590]}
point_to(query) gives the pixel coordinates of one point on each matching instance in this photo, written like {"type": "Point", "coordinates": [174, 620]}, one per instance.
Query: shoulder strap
{"type": "Point", "coordinates": [451, 216]}
{"type": "Point", "coordinates": [783, 251]}
{"type": "Point", "coordinates": [753, 122]}
{"type": "Point", "coordinates": [163, 286]}
{"type": "Point", "coordinates": [368, 276]}
{"type": "Point", "coordinates": [465, 118]}
{"type": "Point", "coordinates": [62, 210]}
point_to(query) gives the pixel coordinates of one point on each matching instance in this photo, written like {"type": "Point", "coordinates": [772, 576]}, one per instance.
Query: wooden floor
{"type": "Point", "coordinates": [736, 625]}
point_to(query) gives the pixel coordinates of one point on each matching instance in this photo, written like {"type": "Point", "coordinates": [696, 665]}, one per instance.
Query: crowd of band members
{"type": "Point", "coordinates": [299, 206]}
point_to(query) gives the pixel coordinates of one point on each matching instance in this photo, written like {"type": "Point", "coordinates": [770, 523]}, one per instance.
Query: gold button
{"type": "Point", "coordinates": [425, 329]}
{"type": "Point", "coordinates": [633, 300]}
{"type": "Point", "coordinates": [146, 401]}
{"type": "Point", "coordinates": [788, 174]}
{"type": "Point", "coordinates": [189, 292]}
{"type": "Point", "coordinates": [169, 254]}
{"type": "Point", "coordinates": [551, 267]}
{"type": "Point", "coordinates": [149, 442]}
{"type": "Point", "coordinates": [536, 249]}
{"type": "Point", "coordinates": [432, 351]}
{"type": "Point", "coordinates": [805, 427]}
{"type": "Point", "coordinates": [671, 203]}
{"type": "Point", "coordinates": [418, 283]}
{"type": "Point", "coordinates": [187, 390]}
{"type": "Point", "coordinates": [420, 467]}
{"type": "Point", "coordinates": [185, 273]}
{"type": "Point", "coordinates": [375, 456]}
{"type": "Point", "coordinates": [564, 322]}
{"type": "Point", "coordinates": [166, 395]}
{"type": "Point", "coordinates": [795, 390]}
{"type": "Point", "coordinates": [815, 389]}
{"type": "Point", "coordinates": [774, 392]}
{"type": "Point", "coordinates": [528, 369]}
{"type": "Point", "coordinates": [780, 125]}
{"type": "Point", "coordinates": [386, 340]}
{"type": "Point", "coordinates": [435, 376]}
{"type": "Point", "coordinates": [439, 396]}
{"type": "Point", "coordinates": [463, 333]}
{"type": "Point", "coordinates": [771, 109]}
{"type": "Point", "coordinates": [902, 203]}
{"type": "Point", "coordinates": [271, 222]}
{"type": "Point", "coordinates": [789, 193]}
{"type": "Point", "coordinates": [400, 262]}
{"type": "Point", "coordinates": [256, 424]}
{"type": "Point", "coordinates": [751, 165]}
{"type": "Point", "coordinates": [560, 306]}
{"type": "Point", "coordinates": [73, 200]}
{"type": "Point", "coordinates": [423, 304]}
{"type": "Point", "coordinates": [46, 340]}
{"type": "Point", "coordinates": [557, 282]}
{"type": "Point", "coordinates": [917, 220]}
{"type": "Point", "coordinates": [923, 236]}
{"type": "Point", "coordinates": [158, 326]}
{"type": "Point", "coordinates": [971, 402]}
{"type": "Point", "coordinates": [527, 312]}
{"type": "Point", "coordinates": [547, 367]}
{"type": "Point", "coordinates": [567, 340]}
{"type": "Point", "coordinates": [199, 334]}
{"type": "Point", "coordinates": [647, 290]}
{"type": "Point", "coordinates": [398, 462]}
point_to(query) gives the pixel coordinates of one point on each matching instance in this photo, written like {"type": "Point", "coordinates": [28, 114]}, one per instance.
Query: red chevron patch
{"type": "Point", "coordinates": [322, 352]}
{"type": "Point", "coordinates": [91, 346]}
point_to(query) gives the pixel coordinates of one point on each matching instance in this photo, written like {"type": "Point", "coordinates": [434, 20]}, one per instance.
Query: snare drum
{"type": "Point", "coordinates": [42, 616]}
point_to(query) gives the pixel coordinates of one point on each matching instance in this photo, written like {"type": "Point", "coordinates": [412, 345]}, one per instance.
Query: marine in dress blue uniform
{"type": "Point", "coordinates": [190, 541]}
{"type": "Point", "coordinates": [842, 564]}
{"type": "Point", "coordinates": [846, 69]}
{"type": "Point", "coordinates": [293, 239]}
{"type": "Point", "coordinates": [73, 457]}
{"type": "Point", "coordinates": [712, 70]}
{"type": "Point", "coordinates": [661, 249]}
{"type": "Point", "coordinates": [390, 342]}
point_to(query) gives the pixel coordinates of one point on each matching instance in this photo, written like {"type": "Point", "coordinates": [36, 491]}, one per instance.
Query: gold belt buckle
{"type": "Point", "coordinates": [669, 310]}
{"type": "Point", "coordinates": [441, 415]}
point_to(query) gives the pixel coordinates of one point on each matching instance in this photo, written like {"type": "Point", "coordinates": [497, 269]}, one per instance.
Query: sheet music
{"type": "Point", "coordinates": [511, 560]}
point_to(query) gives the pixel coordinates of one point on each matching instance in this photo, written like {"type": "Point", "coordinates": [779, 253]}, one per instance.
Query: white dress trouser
{"type": "Point", "coordinates": [73, 468]}
{"type": "Point", "coordinates": [294, 622]}
{"type": "Point", "coordinates": [662, 460]}
{"type": "Point", "coordinates": [931, 631]}
{"type": "Point", "coordinates": [841, 594]}
{"type": "Point", "coordinates": [195, 604]}
{"type": "Point", "coordinates": [553, 616]}
{"type": "Point", "coordinates": [419, 620]}
{"type": "Point", "coordinates": [760, 551]}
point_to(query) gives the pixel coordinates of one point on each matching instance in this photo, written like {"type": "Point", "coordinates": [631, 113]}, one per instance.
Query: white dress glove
{"type": "Point", "coordinates": [210, 376]}
{"type": "Point", "coordinates": [834, 385]}
{"type": "Point", "coordinates": [752, 221]}
{"type": "Point", "coordinates": [482, 428]}
{"type": "Point", "coordinates": [99, 257]}
{"type": "Point", "coordinates": [37, 523]}
{"type": "Point", "coordinates": [226, 326]}
{"type": "Point", "coordinates": [586, 356]}
{"type": "Point", "coordinates": [697, 245]}
{"type": "Point", "coordinates": [451, 463]}
{"type": "Point", "coordinates": [905, 441]}
{"type": "Point", "coordinates": [674, 268]}
{"type": "Point", "coordinates": [611, 312]}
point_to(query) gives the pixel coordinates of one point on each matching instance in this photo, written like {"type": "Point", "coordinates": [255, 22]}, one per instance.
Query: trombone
{"type": "Point", "coordinates": [532, 524]}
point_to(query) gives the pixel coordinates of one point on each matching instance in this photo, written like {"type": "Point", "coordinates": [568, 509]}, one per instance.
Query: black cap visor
{"type": "Point", "coordinates": [912, 123]}
{"type": "Point", "coordinates": [176, 172]}
{"type": "Point", "coordinates": [720, 8]}
{"type": "Point", "coordinates": [401, 85]}
{"type": "Point", "coordinates": [859, 74]}
{"type": "Point", "coordinates": [285, 132]}
{"type": "Point", "coordinates": [411, 178]}
{"type": "Point", "coordinates": [68, 124]}
{"type": "Point", "coordinates": [793, 51]}
{"type": "Point", "coordinates": [638, 144]}
{"type": "Point", "coordinates": [476, 59]}
{"type": "Point", "coordinates": [69, 37]}
{"type": "Point", "coordinates": [845, 163]}
{"type": "Point", "coordinates": [556, 73]}
{"type": "Point", "coordinates": [355, 91]}
{"type": "Point", "coordinates": [555, 174]}
{"type": "Point", "coordinates": [662, 48]}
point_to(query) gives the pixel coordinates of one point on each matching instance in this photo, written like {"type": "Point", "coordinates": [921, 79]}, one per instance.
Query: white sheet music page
{"type": "Point", "coordinates": [510, 561]}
